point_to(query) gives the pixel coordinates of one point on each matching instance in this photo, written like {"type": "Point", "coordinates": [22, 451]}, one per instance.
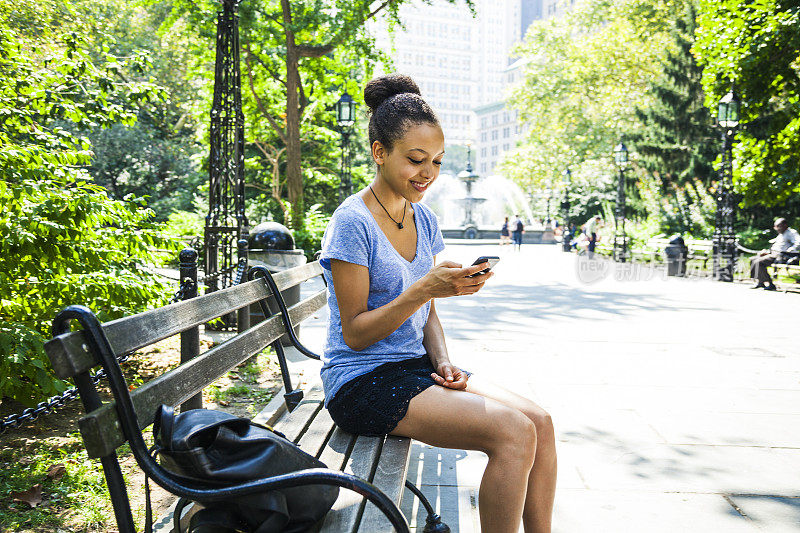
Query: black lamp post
{"type": "Point", "coordinates": [724, 237]}
{"type": "Point", "coordinates": [620, 239]}
{"type": "Point", "coordinates": [345, 118]}
{"type": "Point", "coordinates": [549, 224]}
{"type": "Point", "coordinates": [566, 228]}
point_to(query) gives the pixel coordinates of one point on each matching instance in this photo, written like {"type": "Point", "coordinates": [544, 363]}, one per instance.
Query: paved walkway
{"type": "Point", "coordinates": [676, 402]}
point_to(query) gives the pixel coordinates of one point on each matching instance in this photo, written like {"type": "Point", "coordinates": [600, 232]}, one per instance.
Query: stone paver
{"type": "Point", "coordinates": [676, 402]}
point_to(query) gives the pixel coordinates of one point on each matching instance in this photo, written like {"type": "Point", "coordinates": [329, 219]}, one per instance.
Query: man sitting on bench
{"type": "Point", "coordinates": [784, 249]}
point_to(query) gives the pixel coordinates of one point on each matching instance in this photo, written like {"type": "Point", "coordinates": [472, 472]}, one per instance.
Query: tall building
{"type": "Point", "coordinates": [456, 58]}
{"type": "Point", "coordinates": [499, 128]}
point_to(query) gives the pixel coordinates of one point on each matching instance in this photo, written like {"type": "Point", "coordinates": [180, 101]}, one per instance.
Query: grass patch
{"type": "Point", "coordinates": [74, 497]}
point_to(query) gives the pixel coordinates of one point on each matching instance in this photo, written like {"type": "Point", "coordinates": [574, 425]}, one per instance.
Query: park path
{"type": "Point", "coordinates": [676, 401]}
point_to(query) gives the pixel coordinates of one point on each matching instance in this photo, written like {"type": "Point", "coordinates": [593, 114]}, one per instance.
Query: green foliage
{"type": "Point", "coordinates": [309, 237]}
{"type": "Point", "coordinates": [184, 224]}
{"type": "Point", "coordinates": [677, 140]}
{"type": "Point", "coordinates": [157, 156]}
{"type": "Point", "coordinates": [584, 76]}
{"type": "Point", "coordinates": [62, 240]}
{"type": "Point", "coordinates": [756, 45]}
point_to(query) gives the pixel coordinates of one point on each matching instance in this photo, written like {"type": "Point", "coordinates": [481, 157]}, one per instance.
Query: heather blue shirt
{"type": "Point", "coordinates": [354, 236]}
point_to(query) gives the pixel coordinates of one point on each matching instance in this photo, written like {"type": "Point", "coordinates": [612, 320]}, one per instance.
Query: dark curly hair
{"type": "Point", "coordinates": [395, 104]}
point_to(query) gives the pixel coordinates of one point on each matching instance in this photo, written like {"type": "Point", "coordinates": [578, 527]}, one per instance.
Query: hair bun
{"type": "Point", "coordinates": [380, 89]}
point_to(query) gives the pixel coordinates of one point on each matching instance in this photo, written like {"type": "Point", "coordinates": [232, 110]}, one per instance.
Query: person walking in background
{"type": "Point", "coordinates": [785, 248]}
{"type": "Point", "coordinates": [590, 228]}
{"type": "Point", "coordinates": [519, 229]}
{"type": "Point", "coordinates": [505, 235]}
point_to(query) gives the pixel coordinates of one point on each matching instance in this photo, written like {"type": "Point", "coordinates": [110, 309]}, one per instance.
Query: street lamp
{"type": "Point", "coordinates": [620, 239]}
{"type": "Point", "coordinates": [724, 238]}
{"type": "Point", "coordinates": [345, 118]}
{"type": "Point", "coordinates": [566, 228]}
{"type": "Point", "coordinates": [549, 224]}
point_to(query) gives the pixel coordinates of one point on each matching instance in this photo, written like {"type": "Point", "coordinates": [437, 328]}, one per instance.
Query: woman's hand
{"type": "Point", "coordinates": [450, 279]}
{"type": "Point", "coordinates": [450, 376]}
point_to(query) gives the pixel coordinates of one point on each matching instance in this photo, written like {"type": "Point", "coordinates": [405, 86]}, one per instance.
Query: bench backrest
{"type": "Point", "coordinates": [70, 355]}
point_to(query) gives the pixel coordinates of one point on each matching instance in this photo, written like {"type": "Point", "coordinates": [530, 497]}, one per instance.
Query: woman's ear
{"type": "Point", "coordinates": [378, 152]}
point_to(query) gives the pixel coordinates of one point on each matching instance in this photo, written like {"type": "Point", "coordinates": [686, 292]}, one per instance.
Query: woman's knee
{"type": "Point", "coordinates": [516, 438]}
{"type": "Point", "coordinates": [545, 432]}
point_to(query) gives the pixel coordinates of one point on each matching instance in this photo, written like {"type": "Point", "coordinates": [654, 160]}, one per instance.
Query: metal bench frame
{"type": "Point", "coordinates": [73, 354]}
{"type": "Point", "coordinates": [105, 427]}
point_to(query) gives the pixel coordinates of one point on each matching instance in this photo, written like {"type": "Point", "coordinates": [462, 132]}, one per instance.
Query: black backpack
{"type": "Point", "coordinates": [519, 226]}
{"type": "Point", "coordinates": [219, 449]}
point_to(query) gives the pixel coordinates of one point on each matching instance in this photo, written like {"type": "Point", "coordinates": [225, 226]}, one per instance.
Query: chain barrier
{"type": "Point", "coordinates": [48, 406]}
{"type": "Point", "coordinates": [56, 402]}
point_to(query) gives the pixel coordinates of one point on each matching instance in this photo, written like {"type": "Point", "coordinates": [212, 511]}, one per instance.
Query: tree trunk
{"type": "Point", "coordinates": [294, 171]}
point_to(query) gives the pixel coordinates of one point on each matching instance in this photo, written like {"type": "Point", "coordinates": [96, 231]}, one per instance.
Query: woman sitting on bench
{"type": "Point", "coordinates": [386, 368]}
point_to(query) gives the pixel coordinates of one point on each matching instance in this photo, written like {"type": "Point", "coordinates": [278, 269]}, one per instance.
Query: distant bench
{"type": "Point", "coordinates": [373, 467]}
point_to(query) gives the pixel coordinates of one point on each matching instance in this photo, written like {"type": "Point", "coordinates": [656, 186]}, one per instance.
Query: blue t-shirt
{"type": "Point", "coordinates": [354, 236]}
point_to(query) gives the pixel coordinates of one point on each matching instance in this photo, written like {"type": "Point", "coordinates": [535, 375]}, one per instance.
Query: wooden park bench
{"type": "Point", "coordinates": [373, 467]}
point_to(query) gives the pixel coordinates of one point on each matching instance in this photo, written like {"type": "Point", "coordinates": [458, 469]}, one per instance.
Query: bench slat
{"type": "Point", "coordinates": [390, 477]}
{"type": "Point", "coordinates": [343, 517]}
{"type": "Point", "coordinates": [100, 428]}
{"type": "Point", "coordinates": [68, 352]}
{"type": "Point", "coordinates": [315, 437]}
{"type": "Point", "coordinates": [293, 424]}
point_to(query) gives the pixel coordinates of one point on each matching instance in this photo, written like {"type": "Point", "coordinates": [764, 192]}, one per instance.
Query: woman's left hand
{"type": "Point", "coordinates": [450, 376]}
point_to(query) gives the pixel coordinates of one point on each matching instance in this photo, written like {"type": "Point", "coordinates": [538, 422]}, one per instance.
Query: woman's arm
{"type": "Point", "coordinates": [446, 375]}
{"type": "Point", "coordinates": [362, 328]}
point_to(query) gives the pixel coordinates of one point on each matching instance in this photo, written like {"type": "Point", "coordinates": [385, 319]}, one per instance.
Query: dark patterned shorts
{"type": "Point", "coordinates": [372, 404]}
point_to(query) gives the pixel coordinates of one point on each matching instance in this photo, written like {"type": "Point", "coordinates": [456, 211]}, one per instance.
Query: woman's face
{"type": "Point", "coordinates": [414, 161]}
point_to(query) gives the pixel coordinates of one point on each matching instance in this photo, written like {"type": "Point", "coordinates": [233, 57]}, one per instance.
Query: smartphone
{"type": "Point", "coordinates": [491, 259]}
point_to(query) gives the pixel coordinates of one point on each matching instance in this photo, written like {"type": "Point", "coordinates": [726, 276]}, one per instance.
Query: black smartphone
{"type": "Point", "coordinates": [491, 259]}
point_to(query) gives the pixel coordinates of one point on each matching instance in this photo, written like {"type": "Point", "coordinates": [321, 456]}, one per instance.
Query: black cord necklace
{"type": "Point", "coordinates": [399, 224]}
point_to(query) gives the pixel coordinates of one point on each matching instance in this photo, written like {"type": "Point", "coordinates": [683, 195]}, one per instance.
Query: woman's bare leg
{"type": "Point", "coordinates": [538, 510]}
{"type": "Point", "coordinates": [458, 419]}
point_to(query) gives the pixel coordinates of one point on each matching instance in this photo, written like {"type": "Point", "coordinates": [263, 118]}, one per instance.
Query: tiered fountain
{"type": "Point", "coordinates": [469, 202]}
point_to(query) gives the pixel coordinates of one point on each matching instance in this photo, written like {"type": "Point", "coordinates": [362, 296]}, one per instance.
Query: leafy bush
{"type": "Point", "coordinates": [309, 237]}
{"type": "Point", "coordinates": [62, 240]}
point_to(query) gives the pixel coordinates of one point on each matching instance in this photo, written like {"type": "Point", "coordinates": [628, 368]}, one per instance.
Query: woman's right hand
{"type": "Point", "coordinates": [450, 279]}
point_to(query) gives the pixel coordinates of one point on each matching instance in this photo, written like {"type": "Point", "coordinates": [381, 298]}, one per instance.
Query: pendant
{"type": "Point", "coordinates": [399, 225]}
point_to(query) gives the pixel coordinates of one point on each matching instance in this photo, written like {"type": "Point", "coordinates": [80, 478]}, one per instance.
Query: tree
{"type": "Point", "coordinates": [677, 139]}
{"type": "Point", "coordinates": [755, 45]}
{"type": "Point", "coordinates": [586, 74]}
{"type": "Point", "coordinates": [297, 57]}
{"type": "Point", "coordinates": [62, 239]}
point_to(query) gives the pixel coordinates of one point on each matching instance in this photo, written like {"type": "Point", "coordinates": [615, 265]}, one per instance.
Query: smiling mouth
{"type": "Point", "coordinates": [421, 187]}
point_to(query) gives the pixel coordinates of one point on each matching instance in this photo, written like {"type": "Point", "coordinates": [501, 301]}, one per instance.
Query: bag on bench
{"type": "Point", "coordinates": [219, 449]}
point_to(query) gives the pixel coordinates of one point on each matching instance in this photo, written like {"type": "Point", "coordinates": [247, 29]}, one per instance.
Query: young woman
{"type": "Point", "coordinates": [386, 369]}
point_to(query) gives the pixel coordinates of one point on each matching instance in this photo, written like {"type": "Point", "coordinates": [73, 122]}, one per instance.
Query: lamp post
{"type": "Point", "coordinates": [549, 224]}
{"type": "Point", "coordinates": [620, 239]}
{"type": "Point", "coordinates": [566, 228]}
{"type": "Point", "coordinates": [724, 237]}
{"type": "Point", "coordinates": [345, 118]}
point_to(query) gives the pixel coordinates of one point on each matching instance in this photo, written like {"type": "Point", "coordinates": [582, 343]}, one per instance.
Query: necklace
{"type": "Point", "coordinates": [399, 224]}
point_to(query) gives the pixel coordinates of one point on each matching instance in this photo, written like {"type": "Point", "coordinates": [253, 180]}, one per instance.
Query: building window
{"type": "Point", "coordinates": [494, 150]}
{"type": "Point", "coordinates": [483, 152]}
{"type": "Point", "coordinates": [506, 147]}
{"type": "Point", "coordinates": [494, 135]}
{"type": "Point", "coordinates": [506, 132]}
{"type": "Point", "coordinates": [484, 122]}
{"type": "Point", "coordinates": [483, 137]}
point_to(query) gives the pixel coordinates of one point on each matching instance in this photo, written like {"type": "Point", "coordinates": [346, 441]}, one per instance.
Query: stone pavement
{"type": "Point", "coordinates": [676, 401]}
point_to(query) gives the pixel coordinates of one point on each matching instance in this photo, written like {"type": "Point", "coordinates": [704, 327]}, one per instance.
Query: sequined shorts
{"type": "Point", "coordinates": [373, 403]}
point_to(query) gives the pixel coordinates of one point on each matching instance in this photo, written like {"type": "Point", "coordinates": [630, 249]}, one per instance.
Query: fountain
{"type": "Point", "coordinates": [469, 202]}
{"type": "Point", "coordinates": [471, 207]}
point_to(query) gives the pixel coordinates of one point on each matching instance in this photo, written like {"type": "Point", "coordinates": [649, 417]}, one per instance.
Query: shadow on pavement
{"type": "Point", "coordinates": [433, 470]}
